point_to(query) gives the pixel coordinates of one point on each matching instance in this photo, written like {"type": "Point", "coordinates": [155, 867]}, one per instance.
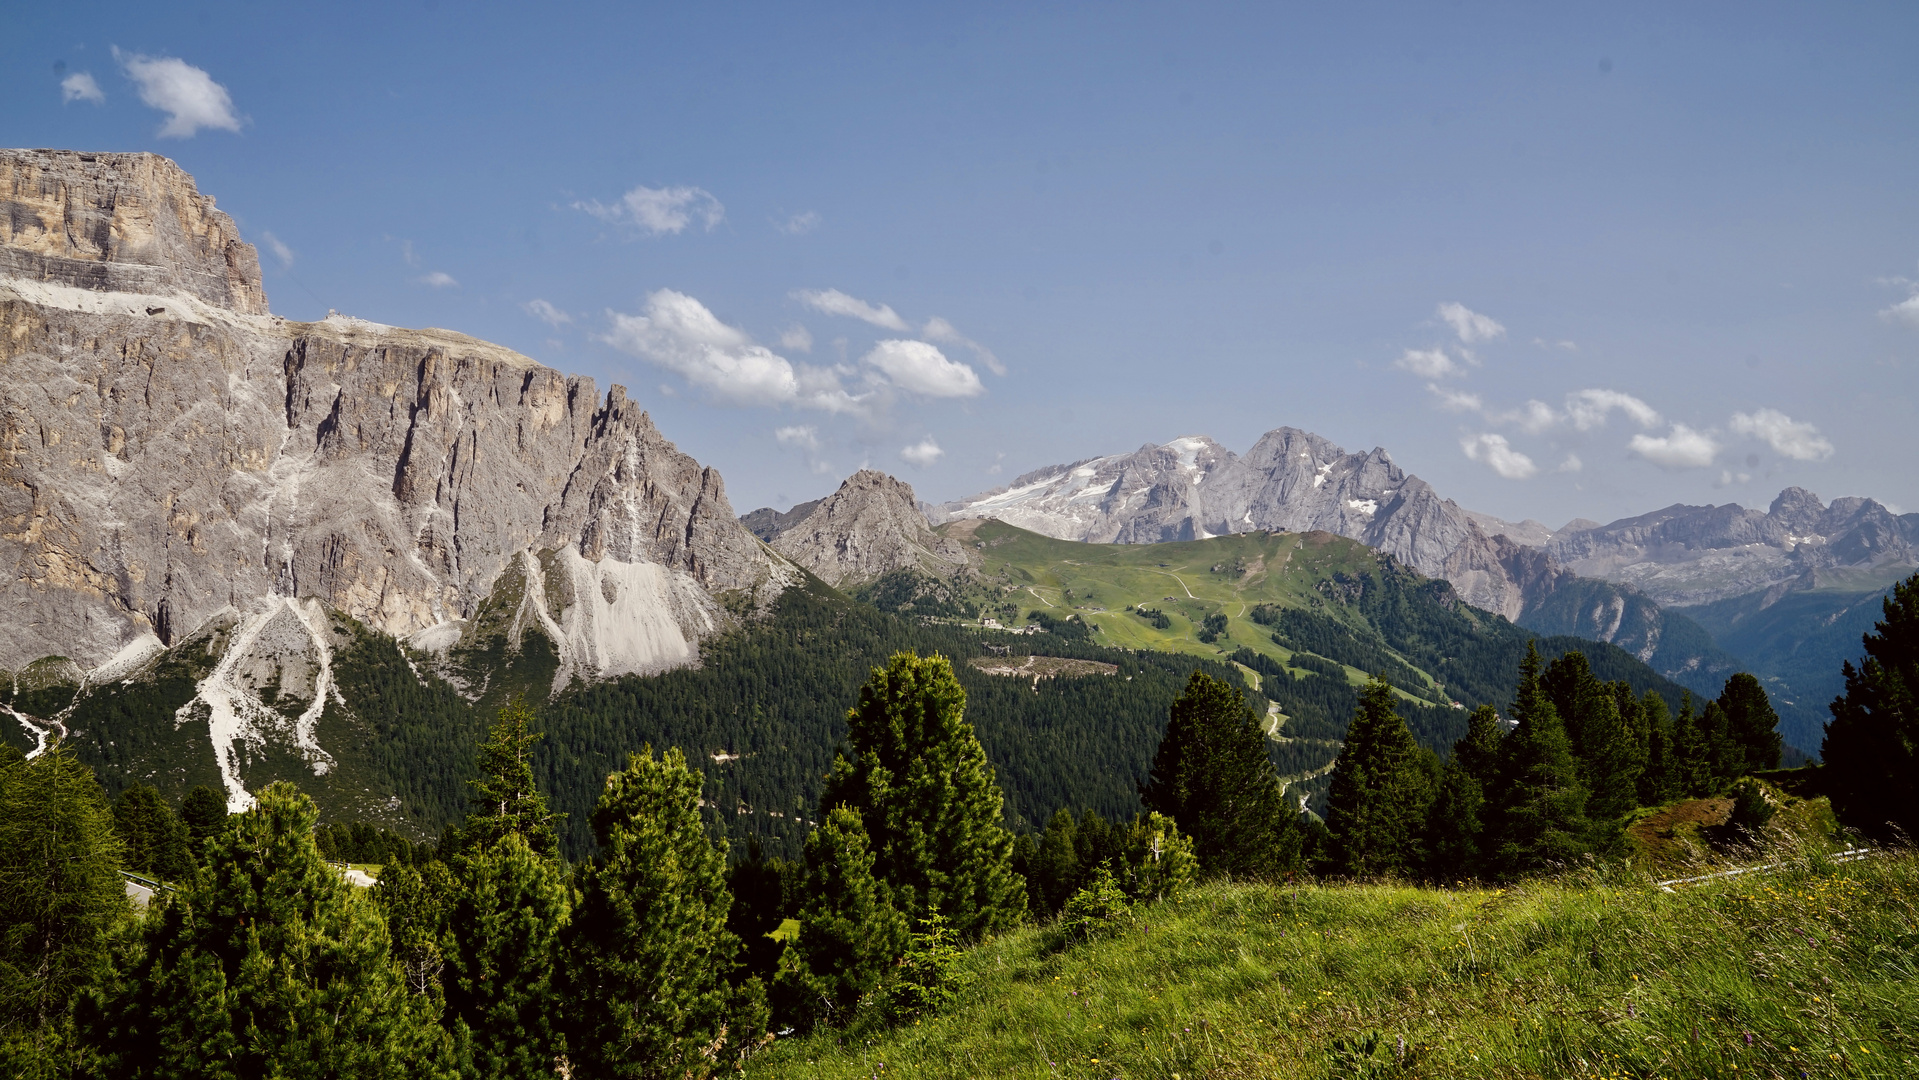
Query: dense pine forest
{"type": "Point", "coordinates": [663, 949]}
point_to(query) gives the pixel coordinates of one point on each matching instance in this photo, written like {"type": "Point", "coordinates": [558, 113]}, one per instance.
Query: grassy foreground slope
{"type": "Point", "coordinates": [1806, 971]}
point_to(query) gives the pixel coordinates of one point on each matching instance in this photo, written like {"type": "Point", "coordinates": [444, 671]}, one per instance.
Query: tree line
{"type": "Point", "coordinates": [660, 954]}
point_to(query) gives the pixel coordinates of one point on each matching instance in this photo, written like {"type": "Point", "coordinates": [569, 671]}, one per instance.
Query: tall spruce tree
{"type": "Point", "coordinates": [1541, 813]}
{"type": "Point", "coordinates": [647, 954]}
{"type": "Point", "coordinates": [1382, 786]}
{"type": "Point", "coordinates": [204, 812]}
{"type": "Point", "coordinates": [1456, 823]}
{"type": "Point", "coordinates": [157, 841]}
{"type": "Point", "coordinates": [1751, 723]}
{"type": "Point", "coordinates": [1871, 748]}
{"type": "Point", "coordinates": [61, 897]}
{"type": "Point", "coordinates": [917, 776]}
{"type": "Point", "coordinates": [268, 964]}
{"type": "Point", "coordinates": [1604, 737]}
{"type": "Point", "coordinates": [505, 798]}
{"type": "Point", "coordinates": [1661, 782]}
{"type": "Point", "coordinates": [1212, 776]}
{"type": "Point", "coordinates": [850, 932]}
{"type": "Point", "coordinates": [505, 919]}
{"type": "Point", "coordinates": [1055, 872]}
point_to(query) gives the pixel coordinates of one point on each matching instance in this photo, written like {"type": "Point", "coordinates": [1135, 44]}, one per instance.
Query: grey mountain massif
{"type": "Point", "coordinates": [1695, 591]}
{"type": "Point", "coordinates": [200, 494]}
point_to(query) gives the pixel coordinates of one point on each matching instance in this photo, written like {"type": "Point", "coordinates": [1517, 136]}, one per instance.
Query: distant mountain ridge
{"type": "Point", "coordinates": [1629, 583]}
{"type": "Point", "coordinates": [1291, 481]}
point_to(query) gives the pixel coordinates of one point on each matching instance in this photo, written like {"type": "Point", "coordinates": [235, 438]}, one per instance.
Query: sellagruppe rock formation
{"type": "Point", "coordinates": [174, 460]}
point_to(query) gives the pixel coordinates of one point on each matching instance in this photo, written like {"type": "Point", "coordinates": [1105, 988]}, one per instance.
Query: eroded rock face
{"type": "Point", "coordinates": [168, 452]}
{"type": "Point", "coordinates": [124, 223]}
{"type": "Point", "coordinates": [871, 526]}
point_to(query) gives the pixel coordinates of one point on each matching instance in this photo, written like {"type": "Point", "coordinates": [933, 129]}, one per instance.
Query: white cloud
{"type": "Point", "coordinates": [1569, 346]}
{"type": "Point", "coordinates": [678, 333]}
{"type": "Point", "coordinates": [279, 249]}
{"type": "Point", "coordinates": [1457, 400]}
{"type": "Point", "coordinates": [1905, 311]}
{"type": "Point", "coordinates": [922, 453]}
{"type": "Point", "coordinates": [80, 86]}
{"type": "Point", "coordinates": [1470, 325]}
{"type": "Point", "coordinates": [797, 337]}
{"type": "Point", "coordinates": [799, 224]}
{"type": "Point", "coordinates": [438, 279]}
{"type": "Point", "coordinates": [1588, 409]}
{"type": "Point", "coordinates": [1497, 453]}
{"type": "Point", "coordinates": [1572, 464]}
{"type": "Point", "coordinates": [938, 329]}
{"type": "Point", "coordinates": [1682, 448]}
{"type": "Point", "coordinates": [187, 94]}
{"type": "Point", "coordinates": [835, 302]}
{"type": "Point", "coordinates": [1532, 418]}
{"type": "Point", "coordinates": [547, 313]}
{"type": "Point", "coordinates": [1428, 363]}
{"type": "Point", "coordinates": [1795, 439]}
{"type": "Point", "coordinates": [654, 211]}
{"type": "Point", "coordinates": [919, 368]}
{"type": "Point", "coordinates": [804, 436]}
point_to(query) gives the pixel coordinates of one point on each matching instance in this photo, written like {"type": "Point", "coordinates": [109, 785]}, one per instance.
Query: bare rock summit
{"type": "Point", "coordinates": [870, 527]}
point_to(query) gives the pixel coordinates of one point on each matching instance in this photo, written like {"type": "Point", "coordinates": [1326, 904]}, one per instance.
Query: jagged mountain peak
{"type": "Point", "coordinates": [871, 526]}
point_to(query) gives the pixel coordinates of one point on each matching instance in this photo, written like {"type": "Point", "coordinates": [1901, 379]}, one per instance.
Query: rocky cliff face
{"type": "Point", "coordinates": [172, 458]}
{"type": "Point", "coordinates": [1290, 481]}
{"type": "Point", "coordinates": [130, 223]}
{"type": "Point", "coordinates": [871, 526]}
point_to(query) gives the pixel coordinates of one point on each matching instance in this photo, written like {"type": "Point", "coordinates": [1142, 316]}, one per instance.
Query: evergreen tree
{"type": "Point", "coordinates": [1751, 723]}
{"type": "Point", "coordinates": [1871, 749]}
{"type": "Point", "coordinates": [1456, 824]}
{"type": "Point", "coordinates": [1211, 775]}
{"type": "Point", "coordinates": [505, 798]}
{"type": "Point", "coordinates": [1541, 813]}
{"type": "Point", "coordinates": [416, 904]}
{"type": "Point", "coordinates": [61, 897]}
{"type": "Point", "coordinates": [1381, 790]}
{"type": "Point", "coordinates": [1159, 862]}
{"type": "Point", "coordinates": [647, 953]}
{"type": "Point", "coordinates": [506, 920]}
{"type": "Point", "coordinates": [1055, 873]}
{"type": "Point", "coordinates": [157, 842]}
{"type": "Point", "coordinates": [204, 812]}
{"type": "Point", "coordinates": [1604, 738]}
{"type": "Point", "coordinates": [921, 783]}
{"type": "Point", "coordinates": [268, 964]}
{"type": "Point", "coordinates": [850, 932]}
{"type": "Point", "coordinates": [1661, 781]}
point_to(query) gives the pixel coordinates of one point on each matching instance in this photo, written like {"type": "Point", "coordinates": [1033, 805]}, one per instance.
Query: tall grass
{"type": "Point", "coordinates": [1807, 970]}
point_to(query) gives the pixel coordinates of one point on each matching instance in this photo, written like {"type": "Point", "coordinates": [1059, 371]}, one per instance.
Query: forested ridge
{"type": "Point", "coordinates": [668, 951]}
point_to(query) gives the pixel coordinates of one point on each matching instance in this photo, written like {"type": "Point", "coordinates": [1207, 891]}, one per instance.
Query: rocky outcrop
{"type": "Point", "coordinates": [1290, 481]}
{"type": "Point", "coordinates": [871, 526]}
{"type": "Point", "coordinates": [131, 223]}
{"type": "Point", "coordinates": [167, 452]}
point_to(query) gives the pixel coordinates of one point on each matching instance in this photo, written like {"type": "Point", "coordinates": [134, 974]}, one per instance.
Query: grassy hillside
{"type": "Point", "coordinates": [1802, 972]}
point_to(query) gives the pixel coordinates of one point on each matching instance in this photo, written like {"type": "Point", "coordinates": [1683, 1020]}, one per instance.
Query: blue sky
{"type": "Point", "coordinates": [1560, 260]}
